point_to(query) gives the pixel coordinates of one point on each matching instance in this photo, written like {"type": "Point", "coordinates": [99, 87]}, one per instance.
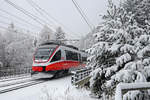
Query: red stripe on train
{"type": "Point", "coordinates": [37, 68]}
{"type": "Point", "coordinates": [62, 65]}
{"type": "Point", "coordinates": [59, 66]}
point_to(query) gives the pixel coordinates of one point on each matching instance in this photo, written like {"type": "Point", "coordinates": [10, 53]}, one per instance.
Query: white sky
{"type": "Point", "coordinates": [62, 10]}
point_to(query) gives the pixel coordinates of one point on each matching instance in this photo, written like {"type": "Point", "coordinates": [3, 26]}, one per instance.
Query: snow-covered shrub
{"type": "Point", "coordinates": [69, 93]}
{"type": "Point", "coordinates": [19, 54]}
{"type": "Point", "coordinates": [121, 53]}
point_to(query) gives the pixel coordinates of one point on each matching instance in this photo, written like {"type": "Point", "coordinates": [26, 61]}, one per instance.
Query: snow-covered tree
{"type": "Point", "coordinates": [130, 5]}
{"type": "Point", "coordinates": [10, 34]}
{"type": "Point", "coordinates": [18, 47]}
{"type": "Point", "coordinates": [120, 53]}
{"type": "Point", "coordinates": [19, 54]}
{"type": "Point", "coordinates": [2, 50]}
{"type": "Point", "coordinates": [85, 42]}
{"type": "Point", "coordinates": [60, 34]}
{"type": "Point", "coordinates": [46, 34]}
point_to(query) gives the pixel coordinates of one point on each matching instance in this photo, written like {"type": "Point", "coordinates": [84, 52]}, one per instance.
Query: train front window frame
{"type": "Point", "coordinates": [57, 56]}
{"type": "Point", "coordinates": [43, 54]}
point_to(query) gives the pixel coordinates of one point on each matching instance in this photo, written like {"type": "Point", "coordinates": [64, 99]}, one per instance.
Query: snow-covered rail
{"type": "Point", "coordinates": [20, 85]}
{"type": "Point", "coordinates": [122, 88]}
{"type": "Point", "coordinates": [6, 73]}
{"type": "Point", "coordinates": [14, 82]}
{"type": "Point", "coordinates": [80, 76]}
{"type": "Point", "coordinates": [23, 76]}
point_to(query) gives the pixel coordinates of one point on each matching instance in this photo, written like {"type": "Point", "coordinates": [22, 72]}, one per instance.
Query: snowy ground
{"type": "Point", "coordinates": [55, 89]}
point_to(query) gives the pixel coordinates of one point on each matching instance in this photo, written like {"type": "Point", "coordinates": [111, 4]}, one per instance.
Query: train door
{"type": "Point", "coordinates": [63, 55]}
{"type": "Point", "coordinates": [79, 58]}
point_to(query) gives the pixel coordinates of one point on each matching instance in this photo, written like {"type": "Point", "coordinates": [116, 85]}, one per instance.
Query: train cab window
{"type": "Point", "coordinates": [57, 56]}
{"type": "Point", "coordinates": [43, 53]}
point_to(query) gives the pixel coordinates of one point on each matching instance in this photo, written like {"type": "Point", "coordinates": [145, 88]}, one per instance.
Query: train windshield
{"type": "Point", "coordinates": [43, 54]}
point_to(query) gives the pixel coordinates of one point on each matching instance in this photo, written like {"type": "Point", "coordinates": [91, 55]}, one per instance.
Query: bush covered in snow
{"type": "Point", "coordinates": [122, 49]}
{"type": "Point", "coordinates": [69, 93]}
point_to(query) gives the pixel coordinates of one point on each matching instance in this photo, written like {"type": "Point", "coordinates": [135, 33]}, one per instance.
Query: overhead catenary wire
{"type": "Point", "coordinates": [35, 18]}
{"type": "Point", "coordinates": [15, 26]}
{"type": "Point", "coordinates": [53, 18]}
{"type": "Point", "coordinates": [29, 14]}
{"type": "Point", "coordinates": [22, 24]}
{"type": "Point", "coordinates": [19, 18]}
{"type": "Point", "coordinates": [23, 11]}
{"type": "Point", "coordinates": [32, 4]}
{"type": "Point", "coordinates": [78, 9]}
{"type": "Point", "coordinates": [41, 10]}
{"type": "Point", "coordinates": [23, 29]}
{"type": "Point", "coordinates": [75, 1]}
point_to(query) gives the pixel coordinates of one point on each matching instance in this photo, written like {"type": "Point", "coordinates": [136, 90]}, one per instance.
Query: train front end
{"type": "Point", "coordinates": [41, 59]}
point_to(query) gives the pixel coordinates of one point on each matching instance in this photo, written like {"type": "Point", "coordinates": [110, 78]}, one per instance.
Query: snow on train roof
{"type": "Point", "coordinates": [58, 43]}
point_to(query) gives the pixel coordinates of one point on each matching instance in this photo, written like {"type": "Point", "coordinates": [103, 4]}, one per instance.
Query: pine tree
{"type": "Point", "coordinates": [130, 5]}
{"type": "Point", "coordinates": [87, 41]}
{"type": "Point", "coordinates": [142, 13]}
{"type": "Point", "coordinates": [140, 9]}
{"type": "Point", "coordinates": [120, 53]}
{"type": "Point", "coordinates": [10, 34]}
{"type": "Point", "coordinates": [60, 35]}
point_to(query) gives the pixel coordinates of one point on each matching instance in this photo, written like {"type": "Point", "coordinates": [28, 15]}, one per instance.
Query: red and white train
{"type": "Point", "coordinates": [52, 59]}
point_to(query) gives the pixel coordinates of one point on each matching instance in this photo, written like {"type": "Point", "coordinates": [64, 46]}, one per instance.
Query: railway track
{"type": "Point", "coordinates": [14, 83]}
{"type": "Point", "coordinates": [14, 78]}
{"type": "Point", "coordinates": [20, 85]}
{"type": "Point", "coordinates": [25, 83]}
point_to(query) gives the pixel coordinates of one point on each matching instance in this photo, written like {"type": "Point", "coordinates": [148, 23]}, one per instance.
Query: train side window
{"type": "Point", "coordinates": [80, 58]}
{"type": "Point", "coordinates": [84, 58]}
{"type": "Point", "coordinates": [75, 56]}
{"type": "Point", "coordinates": [57, 56]}
{"type": "Point", "coordinates": [71, 55]}
{"type": "Point", "coordinates": [67, 55]}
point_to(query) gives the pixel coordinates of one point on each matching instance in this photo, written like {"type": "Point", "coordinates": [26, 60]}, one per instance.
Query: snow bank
{"type": "Point", "coordinates": [69, 93]}
{"type": "Point", "coordinates": [130, 86]}
{"type": "Point", "coordinates": [55, 89]}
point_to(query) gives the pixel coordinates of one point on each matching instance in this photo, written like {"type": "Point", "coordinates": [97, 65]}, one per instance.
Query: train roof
{"type": "Point", "coordinates": [58, 43]}
{"type": "Point", "coordinates": [51, 43]}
